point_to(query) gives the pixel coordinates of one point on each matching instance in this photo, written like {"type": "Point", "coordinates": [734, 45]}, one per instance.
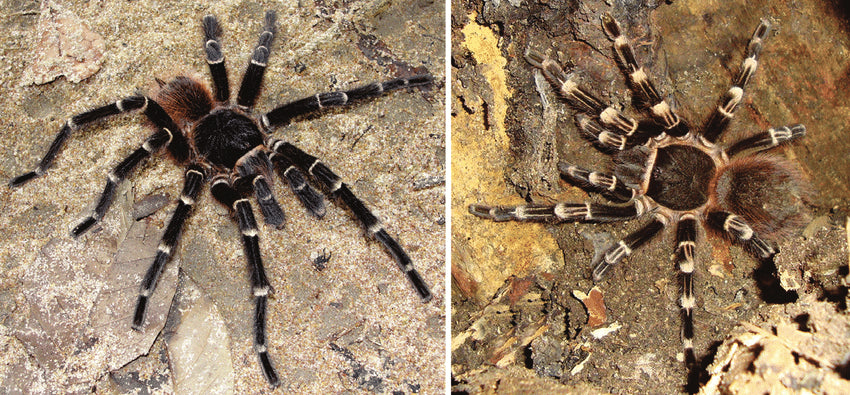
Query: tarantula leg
{"type": "Point", "coordinates": [337, 188]}
{"type": "Point", "coordinates": [773, 137]}
{"type": "Point", "coordinates": [748, 68]}
{"type": "Point", "coordinates": [177, 144]}
{"type": "Point", "coordinates": [686, 236]}
{"type": "Point", "coordinates": [591, 181]}
{"type": "Point", "coordinates": [215, 58]}
{"type": "Point", "coordinates": [740, 231]}
{"type": "Point", "coordinates": [562, 212]}
{"type": "Point", "coordinates": [603, 139]}
{"type": "Point", "coordinates": [260, 344]}
{"type": "Point", "coordinates": [719, 119]}
{"type": "Point", "coordinates": [577, 96]}
{"type": "Point", "coordinates": [253, 78]}
{"type": "Point", "coordinates": [283, 114]}
{"type": "Point", "coordinates": [228, 196]}
{"type": "Point", "coordinates": [192, 186]}
{"type": "Point", "coordinates": [624, 247]}
{"type": "Point", "coordinates": [580, 98]}
{"type": "Point", "coordinates": [309, 197]}
{"type": "Point", "coordinates": [272, 213]}
{"type": "Point", "coordinates": [117, 175]}
{"type": "Point", "coordinates": [252, 172]}
{"type": "Point", "coordinates": [646, 94]}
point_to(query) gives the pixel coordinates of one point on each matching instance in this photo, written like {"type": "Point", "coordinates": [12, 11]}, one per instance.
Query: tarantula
{"type": "Point", "coordinates": [671, 173]}
{"type": "Point", "coordinates": [225, 144]}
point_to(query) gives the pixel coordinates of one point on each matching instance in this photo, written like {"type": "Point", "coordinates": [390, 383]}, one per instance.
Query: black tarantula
{"type": "Point", "coordinates": [671, 173]}
{"type": "Point", "coordinates": [230, 147]}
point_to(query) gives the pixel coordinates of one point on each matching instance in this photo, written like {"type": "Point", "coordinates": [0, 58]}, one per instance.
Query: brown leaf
{"type": "Point", "coordinates": [66, 46]}
{"type": "Point", "coordinates": [595, 305]}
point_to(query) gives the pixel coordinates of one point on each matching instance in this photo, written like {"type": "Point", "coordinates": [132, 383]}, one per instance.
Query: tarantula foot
{"type": "Point", "coordinates": [422, 79]}
{"type": "Point", "coordinates": [268, 369]}
{"type": "Point", "coordinates": [22, 179]}
{"type": "Point", "coordinates": [535, 58]}
{"type": "Point", "coordinates": [139, 313]}
{"type": "Point", "coordinates": [84, 225]}
{"type": "Point", "coordinates": [498, 214]}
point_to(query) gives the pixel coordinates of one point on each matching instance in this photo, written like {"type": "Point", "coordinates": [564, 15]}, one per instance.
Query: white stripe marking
{"type": "Point", "coordinates": [688, 302]}
{"type": "Point", "coordinates": [164, 249]}
{"type": "Point", "coordinates": [375, 228]}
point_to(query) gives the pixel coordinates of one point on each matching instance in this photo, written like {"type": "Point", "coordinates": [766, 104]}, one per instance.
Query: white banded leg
{"type": "Point", "coordinates": [591, 181]}
{"type": "Point", "coordinates": [748, 68]}
{"type": "Point", "coordinates": [253, 78]}
{"type": "Point", "coordinates": [251, 242]}
{"type": "Point", "coordinates": [149, 107]}
{"type": "Point", "coordinates": [252, 172]}
{"type": "Point", "coordinates": [771, 138]}
{"type": "Point", "coordinates": [626, 246]}
{"type": "Point", "coordinates": [562, 212]}
{"type": "Point", "coordinates": [309, 197]}
{"type": "Point", "coordinates": [194, 181]}
{"type": "Point", "coordinates": [260, 341]}
{"type": "Point", "coordinates": [719, 119]}
{"type": "Point", "coordinates": [740, 231]}
{"type": "Point", "coordinates": [639, 81]}
{"type": "Point", "coordinates": [579, 97]}
{"type": "Point", "coordinates": [215, 58]}
{"type": "Point", "coordinates": [117, 175]}
{"type": "Point", "coordinates": [224, 192]}
{"type": "Point", "coordinates": [177, 144]}
{"type": "Point", "coordinates": [602, 138]}
{"type": "Point", "coordinates": [272, 213]}
{"type": "Point", "coordinates": [373, 227]}
{"type": "Point", "coordinates": [283, 114]}
{"type": "Point", "coordinates": [686, 235]}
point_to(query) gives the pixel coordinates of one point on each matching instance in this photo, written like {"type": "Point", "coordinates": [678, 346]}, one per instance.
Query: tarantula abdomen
{"type": "Point", "coordinates": [185, 99]}
{"type": "Point", "coordinates": [766, 191]}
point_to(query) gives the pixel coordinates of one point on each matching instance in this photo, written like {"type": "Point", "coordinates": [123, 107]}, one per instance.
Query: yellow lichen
{"type": "Point", "coordinates": [479, 153]}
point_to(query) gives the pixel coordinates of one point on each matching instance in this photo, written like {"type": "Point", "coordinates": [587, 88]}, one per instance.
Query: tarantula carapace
{"type": "Point", "coordinates": [228, 146]}
{"type": "Point", "coordinates": [671, 173]}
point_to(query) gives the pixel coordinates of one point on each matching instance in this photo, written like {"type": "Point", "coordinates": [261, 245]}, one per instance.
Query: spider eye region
{"type": "Point", "coordinates": [680, 177]}
{"type": "Point", "coordinates": [224, 136]}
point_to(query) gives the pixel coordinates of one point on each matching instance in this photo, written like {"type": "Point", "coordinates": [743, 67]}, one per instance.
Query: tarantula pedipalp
{"type": "Point", "coordinates": [229, 146]}
{"type": "Point", "coordinates": [671, 173]}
